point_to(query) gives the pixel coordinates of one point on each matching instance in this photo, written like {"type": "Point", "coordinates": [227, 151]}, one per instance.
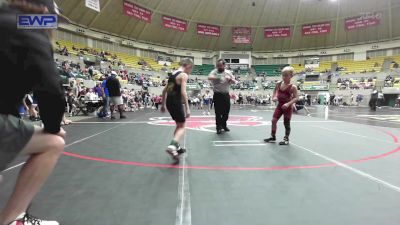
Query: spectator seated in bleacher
{"type": "Point", "coordinates": [64, 51]}
{"type": "Point", "coordinates": [350, 83]}
{"type": "Point", "coordinates": [142, 62]}
{"type": "Point", "coordinates": [66, 70]}
{"type": "Point", "coordinates": [389, 81]}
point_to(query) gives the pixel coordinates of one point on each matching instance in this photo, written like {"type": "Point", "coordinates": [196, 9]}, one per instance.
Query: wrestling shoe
{"type": "Point", "coordinates": [272, 139]}
{"type": "Point", "coordinates": [26, 219]}
{"type": "Point", "coordinates": [181, 150]}
{"type": "Point", "coordinates": [285, 141]}
{"type": "Point", "coordinates": [175, 152]}
{"type": "Point", "coordinates": [226, 129]}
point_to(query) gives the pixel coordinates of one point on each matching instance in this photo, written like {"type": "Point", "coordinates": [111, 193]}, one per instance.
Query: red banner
{"type": "Point", "coordinates": [209, 30]}
{"type": "Point", "coordinates": [241, 35]}
{"type": "Point", "coordinates": [136, 11]}
{"type": "Point", "coordinates": [276, 32]}
{"type": "Point", "coordinates": [174, 23]}
{"type": "Point", "coordinates": [316, 28]}
{"type": "Point", "coordinates": [363, 21]}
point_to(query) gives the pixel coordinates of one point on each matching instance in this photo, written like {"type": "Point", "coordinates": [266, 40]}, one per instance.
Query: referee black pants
{"type": "Point", "coordinates": [222, 106]}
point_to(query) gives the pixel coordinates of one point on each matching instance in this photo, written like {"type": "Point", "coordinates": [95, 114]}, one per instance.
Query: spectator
{"type": "Point", "coordinates": [90, 70]}
{"type": "Point", "coordinates": [66, 70]}
{"type": "Point", "coordinates": [351, 98]}
{"type": "Point", "coordinates": [30, 106]}
{"type": "Point", "coordinates": [380, 99]}
{"type": "Point", "coordinates": [331, 99]}
{"type": "Point", "coordinates": [157, 101]}
{"type": "Point", "coordinates": [91, 96]}
{"type": "Point", "coordinates": [64, 51]}
{"type": "Point", "coordinates": [373, 100]}
{"type": "Point", "coordinates": [308, 96]}
{"type": "Point", "coordinates": [70, 101]}
{"type": "Point", "coordinates": [98, 90]}
{"type": "Point", "coordinates": [106, 95]}
{"type": "Point", "coordinates": [398, 102]}
{"type": "Point", "coordinates": [76, 87]}
{"type": "Point", "coordinates": [114, 90]}
{"type": "Point", "coordinates": [359, 99]}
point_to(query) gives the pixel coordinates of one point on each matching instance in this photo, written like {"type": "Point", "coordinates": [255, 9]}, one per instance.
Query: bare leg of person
{"type": "Point", "coordinates": [32, 111]}
{"type": "Point", "coordinates": [121, 111]}
{"type": "Point", "coordinates": [308, 111]}
{"type": "Point", "coordinates": [112, 111]}
{"type": "Point", "coordinates": [174, 148]}
{"type": "Point", "coordinates": [274, 126]}
{"type": "Point", "coordinates": [44, 151]}
{"type": "Point", "coordinates": [179, 131]}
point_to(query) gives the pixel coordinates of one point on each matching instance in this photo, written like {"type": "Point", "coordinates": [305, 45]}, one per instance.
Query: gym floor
{"type": "Point", "coordinates": [344, 170]}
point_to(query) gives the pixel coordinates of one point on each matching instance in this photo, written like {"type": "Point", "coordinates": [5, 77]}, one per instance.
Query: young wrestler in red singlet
{"type": "Point", "coordinates": [286, 95]}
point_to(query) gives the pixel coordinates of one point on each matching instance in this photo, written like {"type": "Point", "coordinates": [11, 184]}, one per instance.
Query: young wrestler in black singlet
{"type": "Point", "coordinates": [175, 99]}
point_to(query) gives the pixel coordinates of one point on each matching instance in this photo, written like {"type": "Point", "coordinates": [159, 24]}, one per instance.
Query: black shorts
{"type": "Point", "coordinates": [175, 109]}
{"type": "Point", "coordinates": [15, 134]}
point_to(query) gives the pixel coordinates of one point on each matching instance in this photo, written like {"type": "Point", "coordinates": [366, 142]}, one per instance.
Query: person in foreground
{"type": "Point", "coordinates": [286, 95]}
{"type": "Point", "coordinates": [174, 96]}
{"type": "Point", "coordinates": [29, 54]}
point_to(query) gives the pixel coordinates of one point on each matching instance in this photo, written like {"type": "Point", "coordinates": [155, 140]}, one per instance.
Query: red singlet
{"type": "Point", "coordinates": [284, 97]}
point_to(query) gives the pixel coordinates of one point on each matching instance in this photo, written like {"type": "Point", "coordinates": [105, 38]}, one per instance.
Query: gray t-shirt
{"type": "Point", "coordinates": [221, 84]}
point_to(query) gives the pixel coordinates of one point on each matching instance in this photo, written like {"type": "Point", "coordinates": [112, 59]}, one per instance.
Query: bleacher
{"type": "Point", "coordinates": [243, 72]}
{"type": "Point", "coordinates": [129, 60]}
{"type": "Point", "coordinates": [351, 66]}
{"type": "Point", "coordinates": [204, 69]}
{"type": "Point", "coordinates": [269, 70]}
{"type": "Point", "coordinates": [347, 66]}
{"type": "Point", "coordinates": [395, 58]}
{"type": "Point", "coordinates": [324, 66]}
{"type": "Point", "coordinates": [370, 65]}
{"type": "Point", "coordinates": [298, 67]}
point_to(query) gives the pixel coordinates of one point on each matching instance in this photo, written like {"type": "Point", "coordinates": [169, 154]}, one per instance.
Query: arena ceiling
{"type": "Point", "coordinates": [227, 14]}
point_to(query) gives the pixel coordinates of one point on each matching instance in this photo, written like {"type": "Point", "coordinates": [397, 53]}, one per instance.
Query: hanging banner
{"type": "Point", "coordinates": [276, 32]}
{"type": "Point", "coordinates": [363, 21]}
{"type": "Point", "coordinates": [93, 4]}
{"type": "Point", "coordinates": [241, 35]}
{"type": "Point", "coordinates": [208, 30]}
{"type": "Point", "coordinates": [174, 23]}
{"type": "Point", "coordinates": [316, 28]}
{"type": "Point", "coordinates": [133, 10]}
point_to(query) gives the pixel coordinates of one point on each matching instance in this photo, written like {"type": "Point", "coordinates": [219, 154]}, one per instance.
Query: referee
{"type": "Point", "coordinates": [221, 80]}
